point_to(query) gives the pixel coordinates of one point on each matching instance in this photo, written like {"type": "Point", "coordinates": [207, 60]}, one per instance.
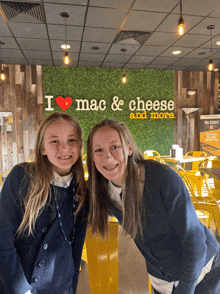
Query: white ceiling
{"type": "Point", "coordinates": [97, 23]}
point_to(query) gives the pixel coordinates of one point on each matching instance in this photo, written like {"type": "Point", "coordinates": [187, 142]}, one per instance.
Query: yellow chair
{"type": "Point", "coordinates": [3, 177]}
{"type": "Point", "coordinates": [214, 189]}
{"type": "Point", "coordinates": [156, 158]}
{"type": "Point", "coordinates": [194, 175]}
{"type": "Point", "coordinates": [151, 153]}
{"type": "Point", "coordinates": [102, 257]}
{"type": "Point", "coordinates": [86, 175]}
{"type": "Point", "coordinates": [207, 204]}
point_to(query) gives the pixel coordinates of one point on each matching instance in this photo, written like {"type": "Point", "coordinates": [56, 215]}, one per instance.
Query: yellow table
{"type": "Point", "coordinates": [183, 159]}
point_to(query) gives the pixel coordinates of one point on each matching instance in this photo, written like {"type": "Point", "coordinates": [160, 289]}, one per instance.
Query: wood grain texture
{"type": "Point", "coordinates": [206, 98]}
{"type": "Point", "coordinates": [22, 95]}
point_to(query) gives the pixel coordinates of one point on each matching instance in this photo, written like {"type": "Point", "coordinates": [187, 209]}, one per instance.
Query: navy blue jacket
{"type": "Point", "coordinates": [44, 262]}
{"type": "Point", "coordinates": [175, 245]}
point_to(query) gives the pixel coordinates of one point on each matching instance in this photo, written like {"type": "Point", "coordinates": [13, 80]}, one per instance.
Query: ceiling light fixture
{"type": "Point", "coordinates": [181, 25]}
{"type": "Point", "coordinates": [66, 55]}
{"type": "Point", "coordinates": [218, 43]}
{"type": "Point", "coordinates": [64, 46]}
{"type": "Point", "coordinates": [211, 65]}
{"type": "Point", "coordinates": [191, 93]}
{"type": "Point", "coordinates": [124, 78]}
{"type": "Point", "coordinates": [2, 75]}
{"type": "Point", "coordinates": [176, 52]}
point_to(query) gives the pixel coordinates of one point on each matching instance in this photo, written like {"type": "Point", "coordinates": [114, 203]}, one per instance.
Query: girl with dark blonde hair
{"type": "Point", "coordinates": [43, 213]}
{"type": "Point", "coordinates": [153, 205]}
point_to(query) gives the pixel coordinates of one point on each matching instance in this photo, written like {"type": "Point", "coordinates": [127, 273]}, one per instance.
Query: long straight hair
{"type": "Point", "coordinates": [98, 185]}
{"type": "Point", "coordinates": [39, 173]}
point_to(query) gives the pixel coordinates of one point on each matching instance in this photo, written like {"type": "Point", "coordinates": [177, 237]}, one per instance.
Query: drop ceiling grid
{"type": "Point", "coordinates": [40, 43]}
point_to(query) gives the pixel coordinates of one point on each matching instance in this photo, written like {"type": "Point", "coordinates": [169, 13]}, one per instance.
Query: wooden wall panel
{"type": "Point", "coordinates": [206, 98]}
{"type": "Point", "coordinates": [22, 95]}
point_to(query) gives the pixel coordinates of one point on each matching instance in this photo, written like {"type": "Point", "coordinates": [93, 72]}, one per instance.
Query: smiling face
{"type": "Point", "coordinates": [109, 156]}
{"type": "Point", "coordinates": [62, 146]}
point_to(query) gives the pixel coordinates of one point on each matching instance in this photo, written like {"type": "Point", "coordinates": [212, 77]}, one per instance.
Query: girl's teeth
{"type": "Point", "coordinates": [65, 157]}
{"type": "Point", "coordinates": [110, 168]}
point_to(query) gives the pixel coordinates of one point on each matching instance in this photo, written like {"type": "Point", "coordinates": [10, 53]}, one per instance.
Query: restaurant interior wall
{"type": "Point", "coordinates": [103, 84]}
{"type": "Point", "coordinates": [205, 84]}
{"type": "Point", "coordinates": [22, 95]}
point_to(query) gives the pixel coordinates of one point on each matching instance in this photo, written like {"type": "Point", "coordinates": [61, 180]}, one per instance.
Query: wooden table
{"type": "Point", "coordinates": [181, 160]}
{"type": "Point", "coordinates": [213, 172]}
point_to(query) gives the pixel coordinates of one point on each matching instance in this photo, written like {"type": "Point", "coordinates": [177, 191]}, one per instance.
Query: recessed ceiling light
{"type": "Point", "coordinates": [95, 48]}
{"type": "Point", "coordinates": [176, 52]}
{"type": "Point", "coordinates": [201, 53]}
{"type": "Point", "coordinates": [215, 69]}
{"type": "Point", "coordinates": [191, 93]}
{"type": "Point", "coordinates": [65, 47]}
{"type": "Point", "coordinates": [218, 42]}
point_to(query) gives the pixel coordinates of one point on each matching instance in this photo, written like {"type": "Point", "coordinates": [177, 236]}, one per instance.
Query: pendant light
{"type": "Point", "coordinates": [124, 78]}
{"type": "Point", "coordinates": [66, 60]}
{"type": "Point", "coordinates": [211, 65]}
{"type": "Point", "coordinates": [2, 75]}
{"type": "Point", "coordinates": [181, 25]}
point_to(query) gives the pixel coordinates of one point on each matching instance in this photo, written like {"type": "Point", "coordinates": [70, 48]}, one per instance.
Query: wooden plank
{"type": "Point", "coordinates": [39, 72]}
{"type": "Point", "coordinates": [12, 79]}
{"type": "Point", "coordinates": [4, 149]}
{"type": "Point", "coordinates": [216, 83]}
{"type": "Point", "coordinates": [26, 145]}
{"type": "Point", "coordinates": [34, 74]}
{"type": "Point", "coordinates": [17, 74]}
{"type": "Point", "coordinates": [28, 78]}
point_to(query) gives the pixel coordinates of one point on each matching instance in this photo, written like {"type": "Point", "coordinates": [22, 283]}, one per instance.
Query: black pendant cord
{"type": "Point", "coordinates": [59, 217]}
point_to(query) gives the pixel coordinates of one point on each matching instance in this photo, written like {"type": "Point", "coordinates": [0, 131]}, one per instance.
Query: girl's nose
{"type": "Point", "coordinates": [108, 153]}
{"type": "Point", "coordinates": [63, 146]}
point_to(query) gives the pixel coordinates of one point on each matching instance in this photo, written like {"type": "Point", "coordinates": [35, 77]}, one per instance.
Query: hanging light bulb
{"type": "Point", "coordinates": [211, 65]}
{"type": "Point", "coordinates": [124, 78]}
{"type": "Point", "coordinates": [181, 25]}
{"type": "Point", "coordinates": [66, 58]}
{"type": "Point", "coordinates": [2, 75]}
{"type": "Point", "coordinates": [66, 55]}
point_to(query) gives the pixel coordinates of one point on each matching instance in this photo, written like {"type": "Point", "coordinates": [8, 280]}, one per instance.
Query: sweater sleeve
{"type": "Point", "coordinates": [184, 221]}
{"type": "Point", "coordinates": [12, 275]}
{"type": "Point", "coordinates": [79, 239]}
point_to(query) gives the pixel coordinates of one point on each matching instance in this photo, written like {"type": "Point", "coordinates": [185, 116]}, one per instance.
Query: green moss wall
{"type": "Point", "coordinates": [104, 84]}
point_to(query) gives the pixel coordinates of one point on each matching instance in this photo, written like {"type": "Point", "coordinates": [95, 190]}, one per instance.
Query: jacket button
{"type": "Point", "coordinates": [45, 246]}
{"type": "Point", "coordinates": [44, 230]}
{"type": "Point", "coordinates": [37, 278]}
{"type": "Point", "coordinates": [41, 263]}
{"type": "Point", "coordinates": [34, 292]}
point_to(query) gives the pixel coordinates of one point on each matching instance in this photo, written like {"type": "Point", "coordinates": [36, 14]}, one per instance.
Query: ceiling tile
{"type": "Point", "coordinates": [170, 23]}
{"type": "Point", "coordinates": [152, 5]}
{"type": "Point", "coordinates": [184, 51]}
{"type": "Point", "coordinates": [143, 21]}
{"type": "Point", "coordinates": [141, 59]}
{"type": "Point", "coordinates": [112, 4]}
{"type": "Point", "coordinates": [24, 30]}
{"type": "Point", "coordinates": [155, 66]}
{"type": "Point", "coordinates": [15, 61]}
{"type": "Point", "coordinates": [4, 30]}
{"type": "Point", "coordinates": [56, 45]}
{"type": "Point", "coordinates": [89, 64]}
{"type": "Point", "coordinates": [201, 28]}
{"type": "Point", "coordinates": [57, 32]}
{"type": "Point", "coordinates": [130, 49]}
{"type": "Point", "coordinates": [9, 43]}
{"type": "Point", "coordinates": [197, 7]}
{"type": "Point", "coordinates": [77, 2]}
{"type": "Point", "coordinates": [161, 39]}
{"type": "Point", "coordinates": [105, 17]}
{"type": "Point", "coordinates": [103, 47]}
{"type": "Point", "coordinates": [99, 35]}
{"type": "Point", "coordinates": [11, 53]}
{"type": "Point", "coordinates": [33, 44]}
{"type": "Point", "coordinates": [151, 50]}
{"type": "Point", "coordinates": [33, 54]}
{"type": "Point", "coordinates": [195, 53]}
{"type": "Point", "coordinates": [60, 55]}
{"type": "Point", "coordinates": [176, 67]}
{"type": "Point", "coordinates": [77, 14]}
{"type": "Point", "coordinates": [91, 57]}
{"type": "Point", "coordinates": [191, 40]}
{"type": "Point", "coordinates": [135, 65]}
{"type": "Point", "coordinates": [117, 58]}
{"type": "Point", "coordinates": [164, 60]}
{"type": "Point", "coordinates": [45, 62]}
{"type": "Point", "coordinates": [112, 65]}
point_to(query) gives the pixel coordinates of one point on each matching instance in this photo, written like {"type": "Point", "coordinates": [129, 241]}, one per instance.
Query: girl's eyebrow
{"type": "Point", "coordinates": [112, 142]}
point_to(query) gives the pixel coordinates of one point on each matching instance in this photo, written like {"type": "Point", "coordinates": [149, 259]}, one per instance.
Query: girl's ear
{"type": "Point", "coordinates": [130, 150]}
{"type": "Point", "coordinates": [43, 151]}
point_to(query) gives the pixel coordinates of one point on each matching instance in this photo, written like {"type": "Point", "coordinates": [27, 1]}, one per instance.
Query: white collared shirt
{"type": "Point", "coordinates": [59, 181]}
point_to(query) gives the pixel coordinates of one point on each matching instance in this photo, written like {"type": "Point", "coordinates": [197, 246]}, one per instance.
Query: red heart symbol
{"type": "Point", "coordinates": [64, 103]}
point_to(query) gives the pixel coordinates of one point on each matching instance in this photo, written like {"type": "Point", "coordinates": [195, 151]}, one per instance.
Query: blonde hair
{"type": "Point", "coordinates": [39, 173]}
{"type": "Point", "coordinates": [98, 185]}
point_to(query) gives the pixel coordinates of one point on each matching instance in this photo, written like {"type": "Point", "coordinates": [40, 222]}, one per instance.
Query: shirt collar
{"type": "Point", "coordinates": [59, 181]}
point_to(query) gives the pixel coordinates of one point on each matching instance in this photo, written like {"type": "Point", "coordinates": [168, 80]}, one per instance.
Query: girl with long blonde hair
{"type": "Point", "coordinates": [153, 205]}
{"type": "Point", "coordinates": [43, 213]}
